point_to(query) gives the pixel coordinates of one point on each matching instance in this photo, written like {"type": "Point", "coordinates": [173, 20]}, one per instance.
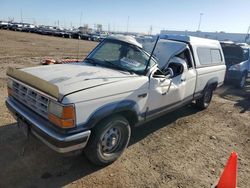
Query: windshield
{"type": "Point", "coordinates": [120, 55]}
{"type": "Point", "coordinates": [233, 54]}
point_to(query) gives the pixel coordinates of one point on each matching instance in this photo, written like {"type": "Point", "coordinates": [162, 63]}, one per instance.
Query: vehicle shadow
{"type": "Point", "coordinates": [29, 163]}
{"type": "Point", "coordinates": [240, 96]}
{"type": "Point", "coordinates": [144, 130]}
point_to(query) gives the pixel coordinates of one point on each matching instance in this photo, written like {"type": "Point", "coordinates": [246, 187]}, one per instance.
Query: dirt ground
{"type": "Point", "coordinates": [186, 148]}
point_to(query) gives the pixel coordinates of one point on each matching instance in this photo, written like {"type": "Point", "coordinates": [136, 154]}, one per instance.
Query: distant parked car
{"type": "Point", "coordinates": [16, 27]}
{"type": "Point", "coordinates": [94, 37]}
{"type": "Point", "coordinates": [4, 25]}
{"type": "Point", "coordinates": [237, 62]}
{"type": "Point", "coordinates": [85, 36]}
{"type": "Point", "coordinates": [75, 35]}
{"type": "Point", "coordinates": [28, 28]}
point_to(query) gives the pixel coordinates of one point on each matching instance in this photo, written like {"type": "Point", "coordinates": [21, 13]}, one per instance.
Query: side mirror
{"type": "Point", "coordinates": [169, 72]}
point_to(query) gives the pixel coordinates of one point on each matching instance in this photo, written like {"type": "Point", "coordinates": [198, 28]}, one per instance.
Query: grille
{"type": "Point", "coordinates": [31, 98]}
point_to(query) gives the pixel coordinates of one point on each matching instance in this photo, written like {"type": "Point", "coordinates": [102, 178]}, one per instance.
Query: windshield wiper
{"type": "Point", "coordinates": [91, 61]}
{"type": "Point", "coordinates": [117, 66]}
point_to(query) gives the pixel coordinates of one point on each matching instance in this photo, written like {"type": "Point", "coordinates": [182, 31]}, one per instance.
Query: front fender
{"type": "Point", "coordinates": [113, 108]}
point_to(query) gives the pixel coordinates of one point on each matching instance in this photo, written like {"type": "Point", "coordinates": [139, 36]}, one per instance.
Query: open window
{"type": "Point", "coordinates": [177, 68]}
{"type": "Point", "coordinates": [186, 56]}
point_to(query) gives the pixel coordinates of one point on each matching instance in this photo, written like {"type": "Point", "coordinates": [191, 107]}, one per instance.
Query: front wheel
{"type": "Point", "coordinates": [108, 140]}
{"type": "Point", "coordinates": [205, 100]}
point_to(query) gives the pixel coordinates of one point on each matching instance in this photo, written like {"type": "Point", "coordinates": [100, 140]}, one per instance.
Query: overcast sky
{"type": "Point", "coordinates": [217, 15]}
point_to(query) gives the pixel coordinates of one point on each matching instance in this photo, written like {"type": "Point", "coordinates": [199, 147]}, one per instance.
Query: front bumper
{"type": "Point", "coordinates": [42, 129]}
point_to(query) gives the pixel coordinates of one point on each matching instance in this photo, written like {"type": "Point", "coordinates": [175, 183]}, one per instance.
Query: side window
{"type": "Point", "coordinates": [185, 55]}
{"type": "Point", "coordinates": [204, 56]}
{"type": "Point", "coordinates": [177, 68]}
{"type": "Point", "coordinates": [216, 56]}
{"type": "Point", "coordinates": [209, 56]}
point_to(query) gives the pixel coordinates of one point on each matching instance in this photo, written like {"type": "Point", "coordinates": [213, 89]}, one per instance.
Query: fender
{"type": "Point", "coordinates": [110, 109]}
{"type": "Point", "coordinates": [212, 81]}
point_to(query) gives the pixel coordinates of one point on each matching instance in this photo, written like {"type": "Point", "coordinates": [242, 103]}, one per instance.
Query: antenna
{"type": "Point", "coordinates": [150, 57]}
{"type": "Point", "coordinates": [79, 38]}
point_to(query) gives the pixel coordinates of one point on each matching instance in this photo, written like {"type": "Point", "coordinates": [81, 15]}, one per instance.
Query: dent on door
{"type": "Point", "coordinates": [161, 85]}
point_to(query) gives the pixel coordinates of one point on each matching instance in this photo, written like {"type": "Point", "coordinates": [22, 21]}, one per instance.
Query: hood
{"type": "Point", "coordinates": [70, 78]}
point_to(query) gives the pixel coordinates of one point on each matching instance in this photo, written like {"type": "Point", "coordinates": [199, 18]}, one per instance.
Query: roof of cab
{"type": "Point", "coordinates": [125, 38]}
{"type": "Point", "coordinates": [190, 39]}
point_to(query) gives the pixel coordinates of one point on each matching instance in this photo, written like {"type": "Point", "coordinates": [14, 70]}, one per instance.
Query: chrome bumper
{"type": "Point", "coordinates": [42, 129]}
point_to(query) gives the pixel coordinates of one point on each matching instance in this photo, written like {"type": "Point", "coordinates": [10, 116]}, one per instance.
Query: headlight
{"type": "Point", "coordinates": [9, 83]}
{"type": "Point", "coordinates": [62, 115]}
{"type": "Point", "coordinates": [235, 67]}
{"type": "Point", "coordinates": [9, 86]}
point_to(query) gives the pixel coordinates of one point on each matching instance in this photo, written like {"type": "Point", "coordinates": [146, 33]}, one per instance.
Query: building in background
{"type": "Point", "coordinates": [222, 36]}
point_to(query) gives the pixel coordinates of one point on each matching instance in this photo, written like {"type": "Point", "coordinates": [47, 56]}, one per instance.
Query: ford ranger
{"type": "Point", "coordinates": [93, 105]}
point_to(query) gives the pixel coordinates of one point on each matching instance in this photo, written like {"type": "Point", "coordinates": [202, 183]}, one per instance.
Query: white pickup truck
{"type": "Point", "coordinates": [94, 104]}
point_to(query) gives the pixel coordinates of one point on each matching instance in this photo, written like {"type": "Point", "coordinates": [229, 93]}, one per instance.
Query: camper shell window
{"type": "Point", "coordinates": [209, 56]}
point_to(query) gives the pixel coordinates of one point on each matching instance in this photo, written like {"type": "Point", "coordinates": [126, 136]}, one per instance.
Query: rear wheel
{"type": "Point", "coordinates": [108, 140]}
{"type": "Point", "coordinates": [205, 100]}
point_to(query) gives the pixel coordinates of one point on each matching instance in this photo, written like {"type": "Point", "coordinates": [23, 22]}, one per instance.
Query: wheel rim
{"type": "Point", "coordinates": [242, 82]}
{"type": "Point", "coordinates": [110, 140]}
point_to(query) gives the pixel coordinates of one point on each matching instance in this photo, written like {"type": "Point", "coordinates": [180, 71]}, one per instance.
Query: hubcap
{"type": "Point", "coordinates": [110, 140]}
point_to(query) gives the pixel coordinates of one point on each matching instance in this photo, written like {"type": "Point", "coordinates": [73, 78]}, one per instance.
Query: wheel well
{"type": "Point", "coordinates": [214, 85]}
{"type": "Point", "coordinates": [129, 115]}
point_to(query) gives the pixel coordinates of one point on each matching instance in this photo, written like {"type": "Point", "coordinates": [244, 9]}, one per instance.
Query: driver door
{"type": "Point", "coordinates": [162, 93]}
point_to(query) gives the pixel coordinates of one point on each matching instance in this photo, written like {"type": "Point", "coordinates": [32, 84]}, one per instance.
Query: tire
{"type": "Point", "coordinates": [242, 82]}
{"type": "Point", "coordinates": [205, 100]}
{"type": "Point", "coordinates": [108, 140]}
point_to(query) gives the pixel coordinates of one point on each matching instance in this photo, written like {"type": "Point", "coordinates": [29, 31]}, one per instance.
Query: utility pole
{"type": "Point", "coordinates": [21, 16]}
{"type": "Point", "coordinates": [150, 30]}
{"type": "Point", "coordinates": [201, 14]}
{"type": "Point", "coordinates": [247, 35]}
{"type": "Point", "coordinates": [127, 24]}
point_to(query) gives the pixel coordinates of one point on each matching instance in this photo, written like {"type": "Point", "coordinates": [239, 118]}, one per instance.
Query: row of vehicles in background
{"type": "Point", "coordinates": [237, 56]}
{"type": "Point", "coordinates": [53, 31]}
